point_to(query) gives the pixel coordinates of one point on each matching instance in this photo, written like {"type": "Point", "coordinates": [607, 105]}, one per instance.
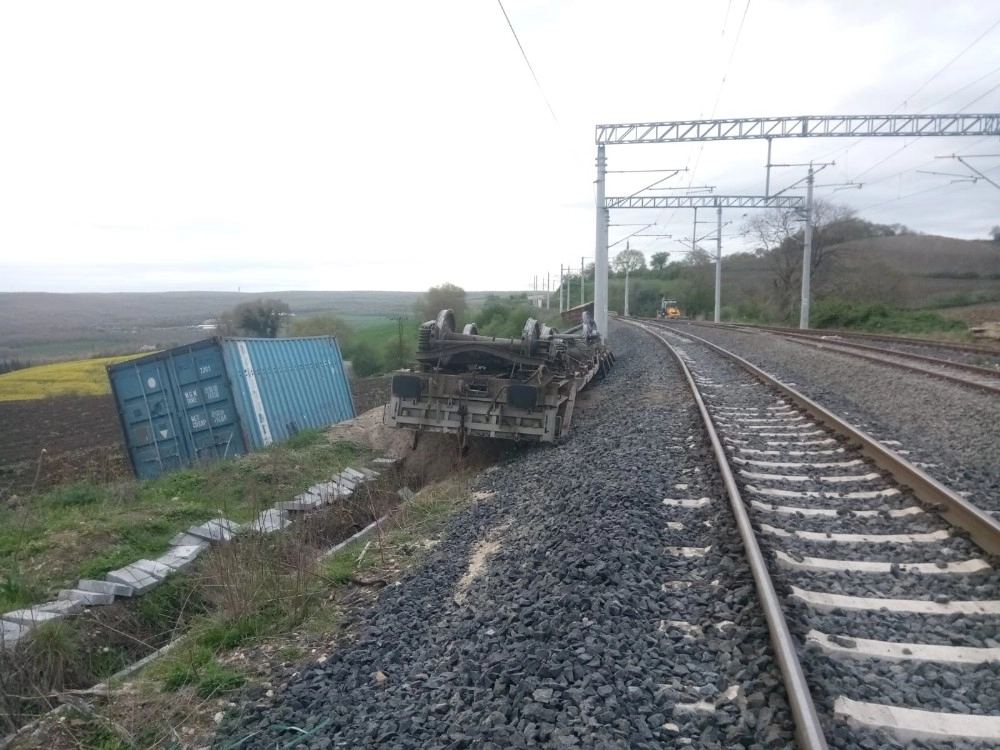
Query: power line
{"type": "Point", "coordinates": [950, 63]}
{"type": "Point", "coordinates": [908, 195]}
{"type": "Point", "coordinates": [729, 64]}
{"type": "Point", "coordinates": [990, 91]}
{"type": "Point", "coordinates": [718, 96]}
{"type": "Point", "coordinates": [869, 183]}
{"type": "Point", "coordinates": [959, 90]}
{"type": "Point", "coordinates": [921, 88]}
{"type": "Point", "coordinates": [528, 62]}
{"type": "Point", "coordinates": [541, 90]}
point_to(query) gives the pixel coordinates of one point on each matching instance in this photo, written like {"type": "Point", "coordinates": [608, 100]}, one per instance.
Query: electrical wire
{"type": "Point", "coordinates": [718, 96]}
{"type": "Point", "coordinates": [981, 96]}
{"type": "Point", "coordinates": [950, 63]}
{"type": "Point", "coordinates": [960, 90]}
{"type": "Point", "coordinates": [910, 195]}
{"type": "Point", "coordinates": [918, 90]}
{"type": "Point", "coordinates": [528, 62]}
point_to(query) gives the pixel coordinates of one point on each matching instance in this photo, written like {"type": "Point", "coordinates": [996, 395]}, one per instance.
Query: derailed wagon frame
{"type": "Point", "coordinates": [484, 386]}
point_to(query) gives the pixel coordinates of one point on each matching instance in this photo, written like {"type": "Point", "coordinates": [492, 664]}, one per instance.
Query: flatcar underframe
{"type": "Point", "coordinates": [472, 385]}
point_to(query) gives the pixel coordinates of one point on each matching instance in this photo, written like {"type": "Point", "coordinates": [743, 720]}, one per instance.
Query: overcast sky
{"type": "Point", "coordinates": [400, 144]}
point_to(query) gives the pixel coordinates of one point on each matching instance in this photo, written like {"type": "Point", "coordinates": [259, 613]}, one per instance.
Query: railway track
{"type": "Point", "coordinates": [983, 355]}
{"type": "Point", "coordinates": [890, 605]}
{"type": "Point", "coordinates": [973, 366]}
{"type": "Point", "coordinates": [598, 594]}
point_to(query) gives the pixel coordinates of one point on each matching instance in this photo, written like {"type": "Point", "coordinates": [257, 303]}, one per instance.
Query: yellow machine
{"type": "Point", "coordinates": [669, 309]}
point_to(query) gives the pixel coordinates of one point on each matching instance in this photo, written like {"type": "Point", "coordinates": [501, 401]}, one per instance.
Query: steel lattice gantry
{"type": "Point", "coordinates": [705, 201]}
{"type": "Point", "coordinates": [718, 202]}
{"type": "Point", "coordinates": [762, 128]}
{"type": "Point", "coordinates": [803, 126]}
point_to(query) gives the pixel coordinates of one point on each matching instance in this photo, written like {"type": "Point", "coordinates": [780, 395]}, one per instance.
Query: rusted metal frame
{"type": "Point", "coordinates": [807, 725]}
{"type": "Point", "coordinates": [845, 348]}
{"type": "Point", "coordinates": [982, 527]}
{"type": "Point", "coordinates": [438, 354]}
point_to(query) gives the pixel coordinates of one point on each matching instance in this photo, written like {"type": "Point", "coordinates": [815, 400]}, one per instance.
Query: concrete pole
{"type": "Point", "coordinates": [583, 284]}
{"type": "Point", "coordinates": [562, 283]}
{"type": "Point", "coordinates": [626, 281]}
{"type": "Point", "coordinates": [601, 254]}
{"type": "Point", "coordinates": [807, 248]}
{"type": "Point", "coordinates": [694, 229]}
{"type": "Point", "coordinates": [548, 290]}
{"type": "Point", "coordinates": [718, 264]}
{"type": "Point", "coordinates": [767, 184]}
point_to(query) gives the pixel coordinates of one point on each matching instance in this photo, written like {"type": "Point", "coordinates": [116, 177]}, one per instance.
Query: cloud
{"type": "Point", "coordinates": [399, 144]}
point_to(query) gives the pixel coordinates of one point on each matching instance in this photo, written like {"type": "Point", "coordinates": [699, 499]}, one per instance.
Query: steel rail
{"type": "Point", "coordinates": [808, 731]}
{"type": "Point", "coordinates": [860, 351]}
{"type": "Point", "coordinates": [981, 526]}
{"type": "Point", "coordinates": [845, 345]}
{"type": "Point", "coordinates": [953, 345]}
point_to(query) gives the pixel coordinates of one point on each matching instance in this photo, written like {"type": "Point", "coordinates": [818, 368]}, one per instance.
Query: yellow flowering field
{"type": "Point", "coordinates": [83, 377]}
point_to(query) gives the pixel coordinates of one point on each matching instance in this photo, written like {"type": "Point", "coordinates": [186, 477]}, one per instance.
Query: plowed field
{"type": "Point", "coordinates": [80, 437]}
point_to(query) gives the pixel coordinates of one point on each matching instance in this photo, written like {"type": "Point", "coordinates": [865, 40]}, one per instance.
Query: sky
{"type": "Point", "coordinates": [398, 145]}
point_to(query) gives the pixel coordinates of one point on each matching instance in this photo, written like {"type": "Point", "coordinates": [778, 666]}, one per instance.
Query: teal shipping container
{"type": "Point", "coordinates": [223, 397]}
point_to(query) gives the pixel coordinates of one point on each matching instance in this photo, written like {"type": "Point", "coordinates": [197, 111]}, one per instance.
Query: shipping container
{"type": "Point", "coordinates": [220, 398]}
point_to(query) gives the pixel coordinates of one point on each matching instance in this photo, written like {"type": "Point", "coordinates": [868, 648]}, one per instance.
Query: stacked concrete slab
{"type": "Point", "coordinates": [144, 575]}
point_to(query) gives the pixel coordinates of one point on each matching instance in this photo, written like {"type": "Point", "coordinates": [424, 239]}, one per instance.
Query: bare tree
{"type": "Point", "coordinates": [780, 235]}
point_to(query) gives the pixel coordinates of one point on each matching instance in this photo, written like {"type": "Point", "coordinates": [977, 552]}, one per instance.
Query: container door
{"type": "Point", "coordinates": [209, 420]}
{"type": "Point", "coordinates": [149, 418]}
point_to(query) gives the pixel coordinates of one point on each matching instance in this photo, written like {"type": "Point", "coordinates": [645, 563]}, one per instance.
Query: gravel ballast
{"type": "Point", "coordinates": [586, 623]}
{"type": "Point", "coordinates": [952, 430]}
{"type": "Point", "coordinates": [743, 405]}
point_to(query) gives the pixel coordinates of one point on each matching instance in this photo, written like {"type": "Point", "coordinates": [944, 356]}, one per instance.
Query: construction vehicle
{"type": "Point", "coordinates": [669, 308]}
{"type": "Point", "coordinates": [519, 389]}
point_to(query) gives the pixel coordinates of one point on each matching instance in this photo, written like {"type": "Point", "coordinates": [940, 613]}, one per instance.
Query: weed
{"type": "Point", "coordinates": [73, 495]}
{"type": "Point", "coordinates": [230, 633]}
{"type": "Point", "coordinates": [290, 653]}
{"type": "Point", "coordinates": [171, 605]}
{"type": "Point", "coordinates": [54, 652]}
{"type": "Point", "coordinates": [184, 665]}
{"type": "Point", "coordinates": [100, 735]}
{"type": "Point", "coordinates": [14, 591]}
{"type": "Point", "coordinates": [343, 564]}
{"type": "Point", "coordinates": [305, 439]}
{"type": "Point", "coordinates": [219, 679]}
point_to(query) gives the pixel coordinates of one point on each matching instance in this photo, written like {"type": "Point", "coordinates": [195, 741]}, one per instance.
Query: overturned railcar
{"type": "Point", "coordinates": [484, 386]}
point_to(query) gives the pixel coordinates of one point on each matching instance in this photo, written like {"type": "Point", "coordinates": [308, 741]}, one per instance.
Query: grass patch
{"type": "Point", "coordinates": [879, 318]}
{"type": "Point", "coordinates": [84, 377]}
{"type": "Point", "coordinates": [15, 593]}
{"type": "Point", "coordinates": [430, 510]}
{"type": "Point", "coordinates": [85, 530]}
{"type": "Point", "coordinates": [342, 565]}
{"type": "Point", "coordinates": [239, 606]}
